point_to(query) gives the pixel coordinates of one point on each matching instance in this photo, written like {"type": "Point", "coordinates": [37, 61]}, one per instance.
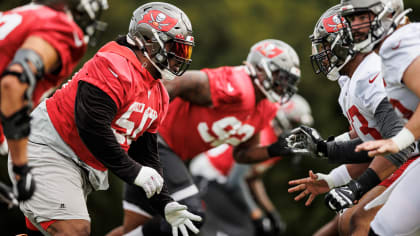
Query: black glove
{"type": "Point", "coordinates": [308, 141]}
{"type": "Point", "coordinates": [7, 196]}
{"type": "Point", "coordinates": [262, 227]}
{"type": "Point", "coordinates": [343, 197]}
{"type": "Point", "coordinates": [278, 225]}
{"type": "Point", "coordinates": [25, 186]}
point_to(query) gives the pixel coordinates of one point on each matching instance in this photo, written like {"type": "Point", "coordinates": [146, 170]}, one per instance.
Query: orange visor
{"type": "Point", "coordinates": [182, 50]}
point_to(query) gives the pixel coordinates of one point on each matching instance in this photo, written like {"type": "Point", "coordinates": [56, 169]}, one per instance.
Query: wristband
{"type": "Point", "coordinates": [403, 139]}
{"type": "Point", "coordinates": [337, 177]}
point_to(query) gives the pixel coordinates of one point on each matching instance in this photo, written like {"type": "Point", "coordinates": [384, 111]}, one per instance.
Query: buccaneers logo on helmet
{"type": "Point", "coordinates": [333, 23]}
{"type": "Point", "coordinates": [158, 20]}
{"type": "Point", "coordinates": [269, 50]}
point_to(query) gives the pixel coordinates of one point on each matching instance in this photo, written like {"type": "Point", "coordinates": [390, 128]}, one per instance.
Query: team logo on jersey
{"type": "Point", "coordinates": [158, 20]}
{"type": "Point", "coordinates": [269, 50]}
{"type": "Point", "coordinates": [333, 23]}
{"type": "Point", "coordinates": [373, 79]}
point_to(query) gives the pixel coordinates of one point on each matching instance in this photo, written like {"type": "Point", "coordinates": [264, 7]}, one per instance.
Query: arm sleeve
{"type": "Point", "coordinates": [389, 125]}
{"type": "Point", "coordinates": [343, 152]}
{"type": "Point", "coordinates": [145, 151]}
{"type": "Point", "coordinates": [94, 112]}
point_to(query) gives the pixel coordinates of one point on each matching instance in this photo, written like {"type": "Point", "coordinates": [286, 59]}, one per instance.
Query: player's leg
{"type": "Point", "coordinates": [329, 229]}
{"type": "Point", "coordinates": [58, 205]}
{"type": "Point", "coordinates": [137, 208]}
{"type": "Point", "coordinates": [400, 215]}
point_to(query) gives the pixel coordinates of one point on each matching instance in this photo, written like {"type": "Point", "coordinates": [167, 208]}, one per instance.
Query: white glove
{"type": "Point", "coordinates": [178, 217]}
{"type": "Point", "coordinates": [150, 180]}
{"type": "Point", "coordinates": [4, 149]}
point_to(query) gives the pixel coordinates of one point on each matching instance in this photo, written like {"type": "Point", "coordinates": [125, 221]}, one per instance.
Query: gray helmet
{"type": "Point", "coordinates": [85, 13]}
{"type": "Point", "coordinates": [331, 47]}
{"type": "Point", "coordinates": [280, 63]}
{"type": "Point", "coordinates": [380, 26]}
{"type": "Point", "coordinates": [295, 112]}
{"type": "Point", "coordinates": [163, 31]}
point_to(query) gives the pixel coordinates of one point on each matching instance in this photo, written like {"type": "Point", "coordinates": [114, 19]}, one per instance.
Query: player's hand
{"type": "Point", "coordinates": [378, 147]}
{"type": "Point", "coordinates": [343, 197]}
{"type": "Point", "coordinates": [312, 186]}
{"type": "Point", "coordinates": [282, 148]}
{"type": "Point", "coordinates": [180, 218]}
{"type": "Point", "coordinates": [308, 141]}
{"type": "Point", "coordinates": [25, 182]}
{"type": "Point", "coordinates": [150, 180]}
{"type": "Point", "coordinates": [278, 224]}
{"type": "Point", "coordinates": [4, 149]}
{"type": "Point", "coordinates": [262, 226]}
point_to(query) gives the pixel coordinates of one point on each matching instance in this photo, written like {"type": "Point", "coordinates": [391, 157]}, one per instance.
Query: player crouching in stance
{"type": "Point", "coordinates": [229, 104]}
{"type": "Point", "coordinates": [106, 118]}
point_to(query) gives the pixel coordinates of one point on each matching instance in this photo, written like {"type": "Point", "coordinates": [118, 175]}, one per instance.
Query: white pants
{"type": "Point", "coordinates": [61, 187]}
{"type": "Point", "coordinates": [400, 214]}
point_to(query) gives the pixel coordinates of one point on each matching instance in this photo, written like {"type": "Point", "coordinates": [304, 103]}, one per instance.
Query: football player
{"type": "Point", "coordinates": [106, 118]}
{"type": "Point", "coordinates": [217, 174]}
{"type": "Point", "coordinates": [380, 25]}
{"type": "Point", "coordinates": [41, 43]}
{"type": "Point", "coordinates": [364, 103]}
{"type": "Point", "coordinates": [229, 104]}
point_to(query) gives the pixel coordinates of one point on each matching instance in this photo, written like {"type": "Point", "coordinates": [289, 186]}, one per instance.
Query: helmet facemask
{"type": "Point", "coordinates": [331, 46]}
{"type": "Point", "coordinates": [163, 33]}
{"type": "Point", "coordinates": [383, 17]}
{"type": "Point", "coordinates": [86, 14]}
{"type": "Point", "coordinates": [278, 64]}
{"type": "Point", "coordinates": [279, 85]}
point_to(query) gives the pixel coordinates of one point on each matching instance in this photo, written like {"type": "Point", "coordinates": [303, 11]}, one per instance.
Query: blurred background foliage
{"type": "Point", "coordinates": [224, 31]}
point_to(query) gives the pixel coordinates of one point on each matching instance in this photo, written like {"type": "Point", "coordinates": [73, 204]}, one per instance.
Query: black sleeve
{"type": "Point", "coordinates": [145, 151]}
{"type": "Point", "coordinates": [389, 125]}
{"type": "Point", "coordinates": [94, 112]}
{"type": "Point", "coordinates": [343, 152]}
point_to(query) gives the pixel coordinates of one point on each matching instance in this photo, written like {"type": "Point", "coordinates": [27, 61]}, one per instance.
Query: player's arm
{"type": "Point", "coordinates": [94, 113]}
{"type": "Point", "coordinates": [250, 151]}
{"type": "Point", "coordinates": [411, 130]}
{"type": "Point", "coordinates": [145, 151]}
{"type": "Point", "coordinates": [35, 58]}
{"type": "Point", "coordinates": [192, 86]}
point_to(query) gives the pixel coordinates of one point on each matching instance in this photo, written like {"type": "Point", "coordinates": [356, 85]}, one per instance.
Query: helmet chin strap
{"type": "Point", "coordinates": [271, 95]}
{"type": "Point", "coordinates": [165, 73]}
{"type": "Point", "coordinates": [334, 74]}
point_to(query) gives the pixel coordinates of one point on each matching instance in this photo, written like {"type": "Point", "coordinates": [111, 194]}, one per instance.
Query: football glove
{"type": "Point", "coordinates": [343, 197]}
{"type": "Point", "coordinates": [25, 182]}
{"type": "Point", "coordinates": [7, 196]}
{"type": "Point", "coordinates": [180, 218]}
{"type": "Point", "coordinates": [278, 225]}
{"type": "Point", "coordinates": [150, 180]}
{"type": "Point", "coordinates": [282, 148]}
{"type": "Point", "coordinates": [308, 141]}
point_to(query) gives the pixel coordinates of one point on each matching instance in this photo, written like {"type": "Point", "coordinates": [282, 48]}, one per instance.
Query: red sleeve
{"type": "Point", "coordinates": [230, 86]}
{"type": "Point", "coordinates": [110, 73]}
{"type": "Point", "coordinates": [63, 34]}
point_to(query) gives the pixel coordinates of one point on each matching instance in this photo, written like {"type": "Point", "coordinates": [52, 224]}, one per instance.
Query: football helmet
{"type": "Point", "coordinates": [331, 48]}
{"type": "Point", "coordinates": [163, 31]}
{"type": "Point", "coordinates": [85, 13]}
{"type": "Point", "coordinates": [280, 65]}
{"type": "Point", "coordinates": [295, 112]}
{"type": "Point", "coordinates": [384, 17]}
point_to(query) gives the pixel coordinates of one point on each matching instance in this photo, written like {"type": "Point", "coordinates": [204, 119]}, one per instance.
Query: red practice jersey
{"type": "Point", "coordinates": [234, 117]}
{"type": "Point", "coordinates": [222, 160]}
{"type": "Point", "coordinates": [141, 100]}
{"type": "Point", "coordinates": [55, 27]}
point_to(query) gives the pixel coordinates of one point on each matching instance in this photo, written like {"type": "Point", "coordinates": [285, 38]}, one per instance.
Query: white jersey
{"type": "Point", "coordinates": [361, 95]}
{"type": "Point", "coordinates": [397, 52]}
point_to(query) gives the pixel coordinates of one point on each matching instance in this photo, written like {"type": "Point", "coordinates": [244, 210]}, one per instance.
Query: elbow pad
{"type": "Point", "coordinates": [25, 57]}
